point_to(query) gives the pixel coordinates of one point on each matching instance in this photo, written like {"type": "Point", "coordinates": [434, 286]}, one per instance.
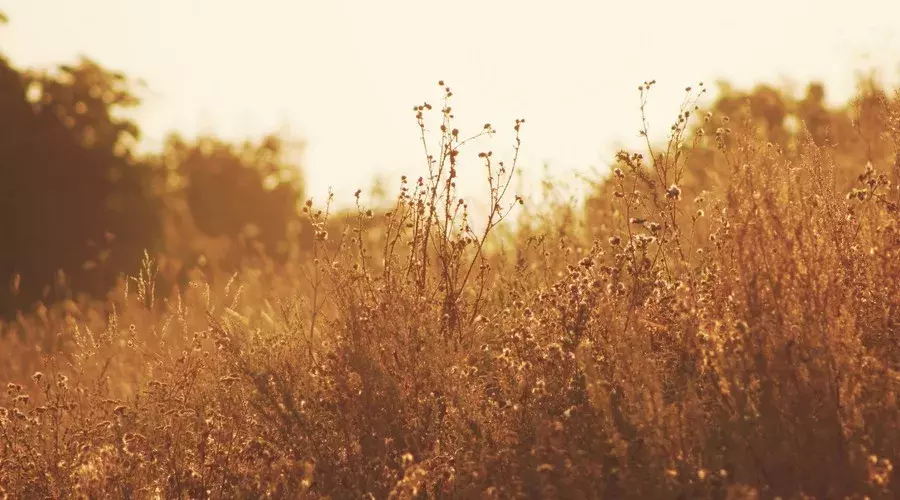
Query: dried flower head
{"type": "Point", "coordinates": [673, 193]}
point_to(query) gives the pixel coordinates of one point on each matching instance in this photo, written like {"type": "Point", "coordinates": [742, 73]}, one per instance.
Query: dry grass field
{"type": "Point", "coordinates": [719, 320]}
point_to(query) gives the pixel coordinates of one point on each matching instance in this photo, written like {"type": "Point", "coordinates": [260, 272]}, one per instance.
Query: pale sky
{"type": "Point", "coordinates": [343, 75]}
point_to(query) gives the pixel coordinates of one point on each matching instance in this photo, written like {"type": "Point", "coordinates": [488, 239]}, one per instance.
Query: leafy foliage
{"type": "Point", "coordinates": [81, 208]}
{"type": "Point", "coordinates": [76, 198]}
{"type": "Point", "coordinates": [240, 193]}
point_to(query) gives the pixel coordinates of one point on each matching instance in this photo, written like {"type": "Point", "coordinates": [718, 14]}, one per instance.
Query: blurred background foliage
{"type": "Point", "coordinates": [852, 133]}
{"type": "Point", "coordinates": [79, 206]}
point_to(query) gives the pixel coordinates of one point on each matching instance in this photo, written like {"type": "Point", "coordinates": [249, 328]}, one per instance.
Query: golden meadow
{"type": "Point", "coordinates": [719, 319]}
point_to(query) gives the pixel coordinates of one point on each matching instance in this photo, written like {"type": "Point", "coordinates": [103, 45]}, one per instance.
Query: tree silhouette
{"type": "Point", "coordinates": [76, 200]}
{"type": "Point", "coordinates": [247, 194]}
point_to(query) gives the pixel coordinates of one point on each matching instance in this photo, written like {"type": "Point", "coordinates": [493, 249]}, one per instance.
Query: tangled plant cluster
{"type": "Point", "coordinates": [737, 343]}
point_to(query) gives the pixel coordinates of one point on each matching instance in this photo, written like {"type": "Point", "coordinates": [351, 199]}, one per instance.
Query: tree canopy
{"type": "Point", "coordinates": [80, 206]}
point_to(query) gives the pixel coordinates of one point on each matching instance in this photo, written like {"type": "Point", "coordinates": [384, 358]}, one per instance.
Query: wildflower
{"type": "Point", "coordinates": [674, 192]}
{"type": "Point", "coordinates": [641, 241]}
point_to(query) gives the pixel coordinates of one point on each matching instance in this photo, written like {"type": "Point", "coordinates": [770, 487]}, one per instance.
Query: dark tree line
{"type": "Point", "coordinates": [78, 206]}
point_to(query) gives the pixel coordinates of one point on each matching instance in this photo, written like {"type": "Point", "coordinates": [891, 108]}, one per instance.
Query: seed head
{"type": "Point", "coordinates": [674, 192]}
